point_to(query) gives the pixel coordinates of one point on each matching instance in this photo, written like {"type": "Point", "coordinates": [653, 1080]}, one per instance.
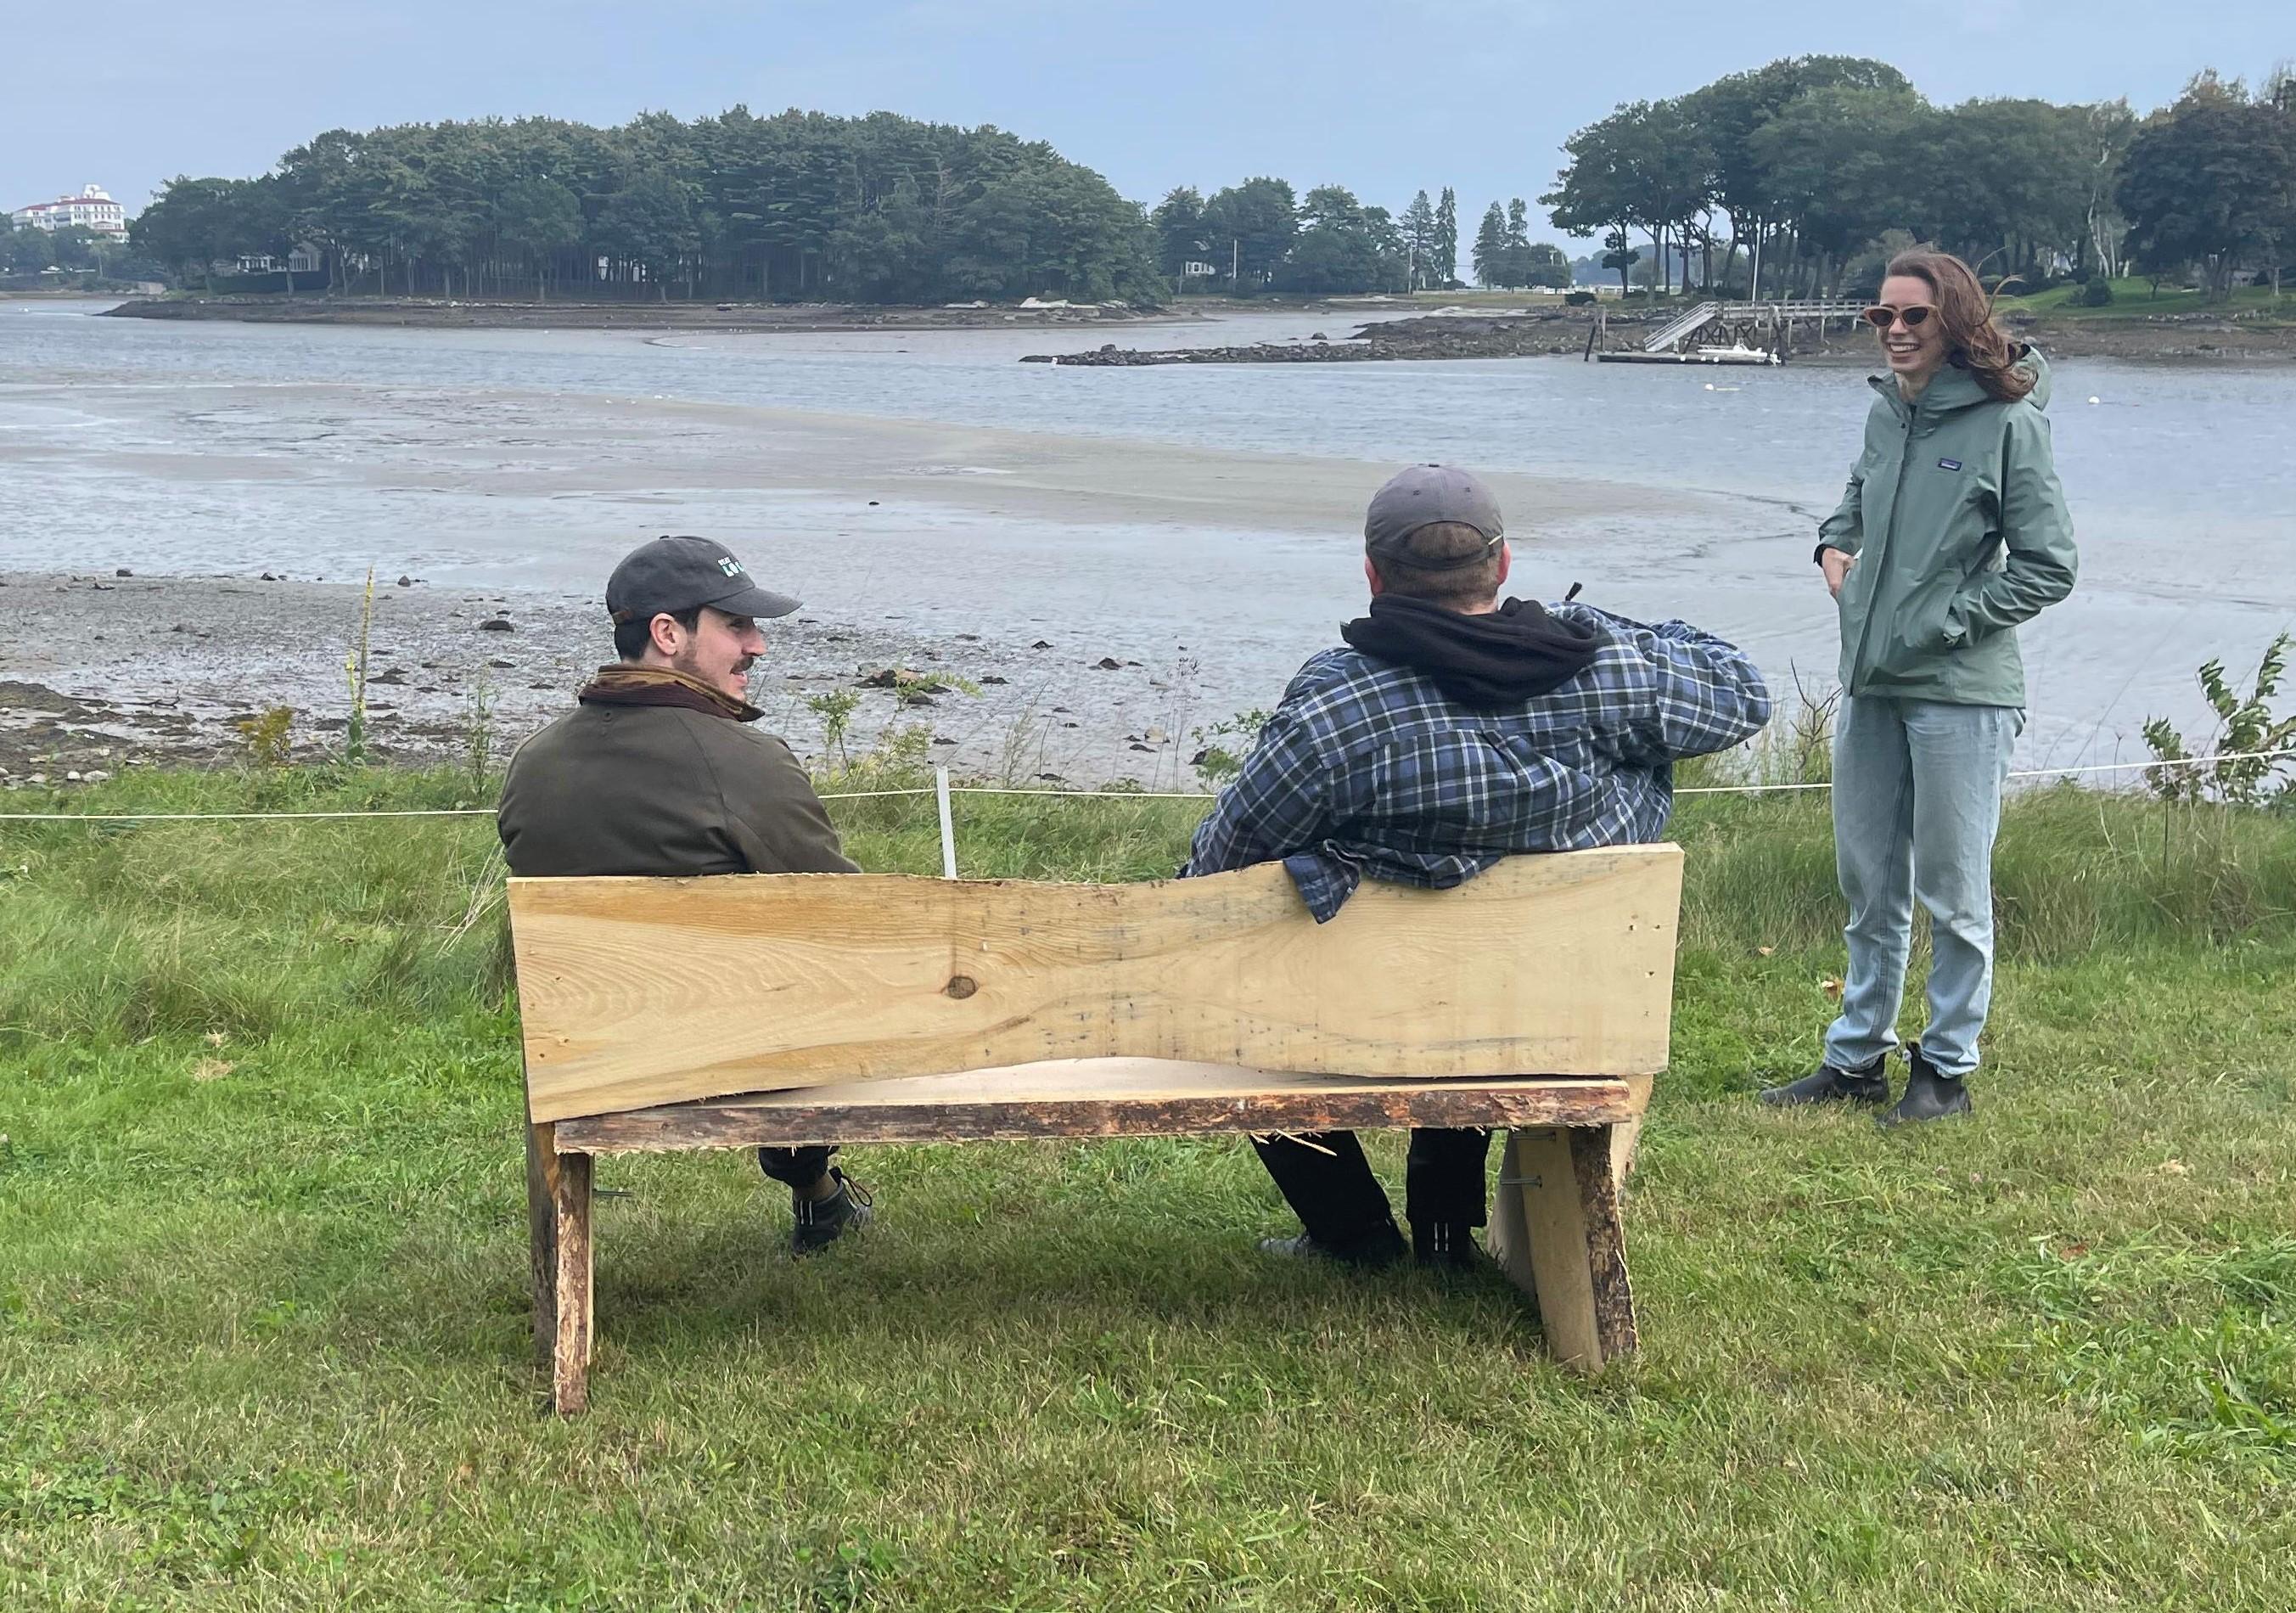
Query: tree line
{"type": "Point", "coordinates": [1801, 173]}
{"type": "Point", "coordinates": [1796, 177]}
{"type": "Point", "coordinates": [881, 209]}
{"type": "Point", "coordinates": [27, 249]}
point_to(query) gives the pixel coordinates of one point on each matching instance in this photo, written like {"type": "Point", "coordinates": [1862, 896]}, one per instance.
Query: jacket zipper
{"type": "Point", "coordinates": [1858, 665]}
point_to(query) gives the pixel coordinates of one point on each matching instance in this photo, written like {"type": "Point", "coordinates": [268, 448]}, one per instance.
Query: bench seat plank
{"type": "Point", "coordinates": [1098, 1098]}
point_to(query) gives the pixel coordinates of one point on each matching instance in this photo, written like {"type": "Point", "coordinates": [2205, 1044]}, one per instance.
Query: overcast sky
{"type": "Point", "coordinates": [1382, 95]}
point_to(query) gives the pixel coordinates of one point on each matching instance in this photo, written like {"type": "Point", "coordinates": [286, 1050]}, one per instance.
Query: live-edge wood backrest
{"type": "Point", "coordinates": [642, 991]}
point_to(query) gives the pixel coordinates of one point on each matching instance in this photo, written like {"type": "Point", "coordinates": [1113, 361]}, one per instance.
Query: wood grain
{"type": "Point", "coordinates": [1595, 1163]}
{"type": "Point", "coordinates": [639, 993]}
{"type": "Point", "coordinates": [1098, 1098]}
{"type": "Point", "coordinates": [1556, 1230]}
{"type": "Point", "coordinates": [569, 1378]}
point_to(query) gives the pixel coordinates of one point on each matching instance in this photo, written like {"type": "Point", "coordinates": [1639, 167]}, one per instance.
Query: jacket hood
{"type": "Point", "coordinates": [1955, 388]}
{"type": "Point", "coordinates": [627, 683]}
{"type": "Point", "coordinates": [2039, 366]}
{"type": "Point", "coordinates": [1500, 658]}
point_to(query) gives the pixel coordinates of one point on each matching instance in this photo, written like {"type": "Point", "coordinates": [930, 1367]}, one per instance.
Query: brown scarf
{"type": "Point", "coordinates": [626, 683]}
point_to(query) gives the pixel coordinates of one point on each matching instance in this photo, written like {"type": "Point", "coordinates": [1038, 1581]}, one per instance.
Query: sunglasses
{"type": "Point", "coordinates": [1914, 318]}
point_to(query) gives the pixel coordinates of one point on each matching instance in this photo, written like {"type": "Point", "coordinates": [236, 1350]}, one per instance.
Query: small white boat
{"type": "Point", "coordinates": [1735, 353]}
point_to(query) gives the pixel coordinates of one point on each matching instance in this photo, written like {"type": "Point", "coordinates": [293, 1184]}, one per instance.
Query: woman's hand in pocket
{"type": "Point", "coordinates": [1836, 567]}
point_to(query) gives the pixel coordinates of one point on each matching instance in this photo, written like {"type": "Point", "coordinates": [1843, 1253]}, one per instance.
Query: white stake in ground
{"type": "Point", "coordinates": [947, 830]}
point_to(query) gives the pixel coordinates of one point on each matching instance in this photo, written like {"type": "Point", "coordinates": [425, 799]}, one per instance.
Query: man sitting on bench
{"type": "Point", "coordinates": [655, 772]}
{"type": "Point", "coordinates": [1452, 731]}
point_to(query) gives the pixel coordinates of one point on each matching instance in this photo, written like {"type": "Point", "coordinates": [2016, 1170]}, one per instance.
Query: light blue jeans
{"type": "Point", "coordinates": [1916, 802]}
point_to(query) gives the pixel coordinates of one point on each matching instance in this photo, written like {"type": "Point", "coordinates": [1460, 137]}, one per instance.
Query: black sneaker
{"type": "Point", "coordinates": [821, 1222]}
{"type": "Point", "coordinates": [1445, 1246]}
{"type": "Point", "coordinates": [1383, 1247]}
{"type": "Point", "coordinates": [1929, 1095]}
{"type": "Point", "coordinates": [1831, 1083]}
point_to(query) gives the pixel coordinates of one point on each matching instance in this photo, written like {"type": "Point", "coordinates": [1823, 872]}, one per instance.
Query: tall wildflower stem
{"type": "Point", "coordinates": [355, 668]}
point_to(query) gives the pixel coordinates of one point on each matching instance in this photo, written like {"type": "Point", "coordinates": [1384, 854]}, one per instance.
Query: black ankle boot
{"type": "Point", "coordinates": [821, 1222]}
{"type": "Point", "coordinates": [1831, 1083]}
{"type": "Point", "coordinates": [1447, 1246]}
{"type": "Point", "coordinates": [1929, 1095]}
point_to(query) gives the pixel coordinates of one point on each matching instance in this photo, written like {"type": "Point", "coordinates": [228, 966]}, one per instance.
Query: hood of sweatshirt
{"type": "Point", "coordinates": [1498, 659]}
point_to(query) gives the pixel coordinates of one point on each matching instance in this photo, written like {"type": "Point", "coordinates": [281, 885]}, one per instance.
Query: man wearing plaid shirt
{"type": "Point", "coordinates": [1453, 731]}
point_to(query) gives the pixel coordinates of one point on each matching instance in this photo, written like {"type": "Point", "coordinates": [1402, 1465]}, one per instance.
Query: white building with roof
{"type": "Point", "coordinates": [92, 210]}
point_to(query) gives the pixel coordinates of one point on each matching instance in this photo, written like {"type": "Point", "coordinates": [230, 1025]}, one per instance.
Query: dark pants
{"type": "Point", "coordinates": [798, 1167]}
{"type": "Point", "coordinates": [1325, 1178]}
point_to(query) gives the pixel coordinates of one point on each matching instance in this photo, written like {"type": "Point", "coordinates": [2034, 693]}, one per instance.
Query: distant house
{"type": "Point", "coordinates": [1196, 271]}
{"type": "Point", "coordinates": [92, 210]}
{"type": "Point", "coordinates": [305, 259]}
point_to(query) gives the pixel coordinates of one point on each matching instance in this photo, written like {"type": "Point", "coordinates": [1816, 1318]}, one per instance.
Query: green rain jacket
{"type": "Point", "coordinates": [1961, 532]}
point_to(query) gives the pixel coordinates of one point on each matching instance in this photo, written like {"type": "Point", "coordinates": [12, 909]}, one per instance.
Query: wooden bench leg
{"type": "Point", "coordinates": [1626, 1136]}
{"type": "Point", "coordinates": [542, 1238]}
{"type": "Point", "coordinates": [570, 1365]}
{"type": "Point", "coordinates": [1555, 1231]}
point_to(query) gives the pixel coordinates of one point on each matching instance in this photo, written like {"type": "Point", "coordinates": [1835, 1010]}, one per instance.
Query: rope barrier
{"type": "Point", "coordinates": [989, 789]}
{"type": "Point", "coordinates": [232, 817]}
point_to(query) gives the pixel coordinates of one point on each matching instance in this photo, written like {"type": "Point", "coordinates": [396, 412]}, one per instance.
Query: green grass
{"type": "Point", "coordinates": [264, 1343]}
{"type": "Point", "coordinates": [2134, 299]}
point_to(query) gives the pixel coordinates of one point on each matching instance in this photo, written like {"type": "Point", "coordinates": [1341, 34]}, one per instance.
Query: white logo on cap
{"type": "Point", "coordinates": [730, 566]}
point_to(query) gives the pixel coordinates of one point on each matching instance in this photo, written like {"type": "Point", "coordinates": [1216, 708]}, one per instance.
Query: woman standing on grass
{"type": "Point", "coordinates": [1953, 531]}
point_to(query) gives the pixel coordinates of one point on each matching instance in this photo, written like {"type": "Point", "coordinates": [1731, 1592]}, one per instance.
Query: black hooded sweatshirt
{"type": "Point", "coordinates": [1498, 659]}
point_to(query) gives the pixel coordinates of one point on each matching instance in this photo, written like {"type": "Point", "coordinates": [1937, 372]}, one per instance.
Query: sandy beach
{"type": "Point", "coordinates": [105, 668]}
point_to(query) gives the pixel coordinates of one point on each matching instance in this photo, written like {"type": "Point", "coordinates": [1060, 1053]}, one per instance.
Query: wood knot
{"type": "Point", "coordinates": [961, 986]}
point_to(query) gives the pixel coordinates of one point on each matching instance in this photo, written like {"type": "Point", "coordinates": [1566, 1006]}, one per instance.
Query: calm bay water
{"type": "Point", "coordinates": [205, 447]}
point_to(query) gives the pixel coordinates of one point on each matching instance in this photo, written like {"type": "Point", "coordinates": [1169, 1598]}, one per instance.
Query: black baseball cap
{"type": "Point", "coordinates": [1422, 496]}
{"type": "Point", "coordinates": [674, 574]}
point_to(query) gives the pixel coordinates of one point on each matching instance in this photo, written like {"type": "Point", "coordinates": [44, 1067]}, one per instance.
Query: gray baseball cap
{"type": "Point", "coordinates": [1422, 496]}
{"type": "Point", "coordinates": [674, 574]}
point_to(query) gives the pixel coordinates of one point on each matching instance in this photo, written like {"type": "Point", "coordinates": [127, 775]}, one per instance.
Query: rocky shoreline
{"type": "Point", "coordinates": [2195, 337]}
{"type": "Point", "coordinates": [728, 318]}
{"type": "Point", "coordinates": [1425, 336]}
{"type": "Point", "coordinates": [459, 677]}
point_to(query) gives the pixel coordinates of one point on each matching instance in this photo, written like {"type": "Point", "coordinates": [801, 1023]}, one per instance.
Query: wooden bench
{"type": "Point", "coordinates": [740, 1011]}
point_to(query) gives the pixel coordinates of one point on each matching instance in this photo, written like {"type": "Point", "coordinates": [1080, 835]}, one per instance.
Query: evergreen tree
{"type": "Point", "coordinates": [1342, 246]}
{"type": "Point", "coordinates": [1491, 247]}
{"type": "Point", "coordinates": [1446, 240]}
{"type": "Point", "coordinates": [1419, 242]}
{"type": "Point", "coordinates": [1518, 246]}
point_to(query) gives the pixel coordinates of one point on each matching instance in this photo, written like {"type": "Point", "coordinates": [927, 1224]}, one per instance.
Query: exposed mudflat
{"type": "Point", "coordinates": [102, 672]}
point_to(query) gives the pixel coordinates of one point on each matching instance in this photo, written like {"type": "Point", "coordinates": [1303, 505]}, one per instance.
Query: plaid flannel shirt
{"type": "Point", "coordinates": [1366, 767]}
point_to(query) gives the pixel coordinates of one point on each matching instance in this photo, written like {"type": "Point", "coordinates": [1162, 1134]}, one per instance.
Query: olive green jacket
{"type": "Point", "coordinates": [661, 790]}
{"type": "Point", "coordinates": [1961, 532]}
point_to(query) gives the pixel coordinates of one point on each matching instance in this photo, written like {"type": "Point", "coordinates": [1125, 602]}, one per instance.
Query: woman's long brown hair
{"type": "Point", "coordinates": [1972, 340]}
